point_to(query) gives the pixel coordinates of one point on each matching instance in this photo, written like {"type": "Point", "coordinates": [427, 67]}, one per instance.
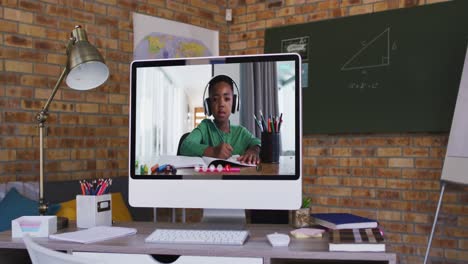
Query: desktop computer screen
{"type": "Point", "coordinates": [216, 132]}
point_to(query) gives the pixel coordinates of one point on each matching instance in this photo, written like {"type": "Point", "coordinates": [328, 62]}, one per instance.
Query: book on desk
{"type": "Point", "coordinates": [343, 221]}
{"type": "Point", "coordinates": [353, 240]}
{"type": "Point", "coordinates": [190, 162]}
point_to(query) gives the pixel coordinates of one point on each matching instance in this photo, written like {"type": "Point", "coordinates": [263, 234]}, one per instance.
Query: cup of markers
{"type": "Point", "coordinates": [93, 206]}
{"type": "Point", "coordinates": [95, 187]}
{"type": "Point", "coordinates": [271, 137]}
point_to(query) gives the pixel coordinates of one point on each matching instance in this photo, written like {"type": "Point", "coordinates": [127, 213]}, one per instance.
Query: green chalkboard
{"type": "Point", "coordinates": [392, 71]}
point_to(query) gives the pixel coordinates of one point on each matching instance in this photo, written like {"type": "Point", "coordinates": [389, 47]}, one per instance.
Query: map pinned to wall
{"type": "Point", "coordinates": [157, 38]}
{"type": "Point", "coordinates": [163, 46]}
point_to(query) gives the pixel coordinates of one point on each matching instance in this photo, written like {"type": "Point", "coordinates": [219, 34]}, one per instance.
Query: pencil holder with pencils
{"type": "Point", "coordinates": [271, 147]}
{"type": "Point", "coordinates": [93, 210]}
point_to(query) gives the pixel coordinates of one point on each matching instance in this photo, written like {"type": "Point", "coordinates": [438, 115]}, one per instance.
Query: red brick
{"type": "Point", "coordinates": [351, 162]}
{"type": "Point", "coordinates": [363, 172]}
{"type": "Point", "coordinates": [18, 41]}
{"type": "Point", "coordinates": [32, 55]}
{"type": "Point", "coordinates": [428, 163]}
{"type": "Point", "coordinates": [340, 171]}
{"type": "Point", "coordinates": [415, 196]}
{"type": "Point", "coordinates": [363, 193]}
{"type": "Point", "coordinates": [375, 182]}
{"type": "Point", "coordinates": [388, 152]}
{"type": "Point", "coordinates": [375, 162]}
{"type": "Point", "coordinates": [341, 152]}
{"type": "Point", "coordinates": [401, 162]}
{"type": "Point", "coordinates": [383, 215]}
{"type": "Point", "coordinates": [381, 6]}
{"type": "Point", "coordinates": [416, 152]}
{"type": "Point", "coordinates": [438, 152]}
{"type": "Point", "coordinates": [7, 155]}
{"type": "Point", "coordinates": [7, 103]}
{"type": "Point", "coordinates": [328, 161]}
{"type": "Point", "coordinates": [327, 181]}
{"type": "Point", "coordinates": [387, 141]}
{"type": "Point", "coordinates": [351, 181]}
{"type": "Point", "coordinates": [388, 172]}
{"type": "Point", "coordinates": [430, 141]}
{"type": "Point", "coordinates": [421, 174]}
{"type": "Point", "coordinates": [399, 184]}
{"type": "Point", "coordinates": [329, 4]}
{"type": "Point", "coordinates": [19, 117]}
{"type": "Point", "coordinates": [18, 15]}
{"type": "Point", "coordinates": [319, 15]}
{"type": "Point", "coordinates": [256, 8]}
{"type": "Point", "coordinates": [8, 26]}
{"type": "Point", "coordinates": [363, 152]}
{"type": "Point", "coordinates": [363, 9]}
{"type": "Point", "coordinates": [387, 194]}
{"type": "Point", "coordinates": [42, 19]}
{"type": "Point", "coordinates": [18, 66]}
{"type": "Point", "coordinates": [19, 92]}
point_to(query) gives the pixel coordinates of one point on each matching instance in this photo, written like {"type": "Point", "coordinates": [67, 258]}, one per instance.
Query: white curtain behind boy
{"type": "Point", "coordinates": [163, 113]}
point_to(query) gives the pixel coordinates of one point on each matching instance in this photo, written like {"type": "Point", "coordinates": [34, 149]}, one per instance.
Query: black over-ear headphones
{"type": "Point", "coordinates": [211, 83]}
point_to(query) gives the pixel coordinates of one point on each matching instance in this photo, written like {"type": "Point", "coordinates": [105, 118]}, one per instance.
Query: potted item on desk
{"type": "Point", "coordinates": [301, 217]}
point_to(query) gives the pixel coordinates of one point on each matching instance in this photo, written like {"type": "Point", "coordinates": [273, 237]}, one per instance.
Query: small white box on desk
{"type": "Point", "coordinates": [93, 210]}
{"type": "Point", "coordinates": [35, 226]}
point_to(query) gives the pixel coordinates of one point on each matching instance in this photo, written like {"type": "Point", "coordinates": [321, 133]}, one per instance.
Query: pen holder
{"type": "Point", "coordinates": [93, 210]}
{"type": "Point", "coordinates": [271, 147]}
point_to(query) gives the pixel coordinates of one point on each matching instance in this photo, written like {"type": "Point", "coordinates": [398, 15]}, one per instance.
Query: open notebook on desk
{"type": "Point", "coordinates": [190, 162]}
{"type": "Point", "coordinates": [94, 234]}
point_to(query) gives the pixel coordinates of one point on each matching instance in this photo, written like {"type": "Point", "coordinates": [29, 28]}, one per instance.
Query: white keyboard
{"type": "Point", "coordinates": [190, 236]}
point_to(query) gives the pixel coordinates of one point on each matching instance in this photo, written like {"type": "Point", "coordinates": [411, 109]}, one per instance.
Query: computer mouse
{"type": "Point", "coordinates": [278, 240]}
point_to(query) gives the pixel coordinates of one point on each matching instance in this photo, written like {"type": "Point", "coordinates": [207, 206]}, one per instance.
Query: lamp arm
{"type": "Point", "coordinates": [41, 118]}
{"type": "Point", "coordinates": [45, 108]}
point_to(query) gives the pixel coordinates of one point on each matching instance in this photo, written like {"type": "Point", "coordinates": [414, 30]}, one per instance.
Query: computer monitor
{"type": "Point", "coordinates": [167, 101]}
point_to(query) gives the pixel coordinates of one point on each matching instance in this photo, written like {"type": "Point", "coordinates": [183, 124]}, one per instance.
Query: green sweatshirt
{"type": "Point", "coordinates": [206, 134]}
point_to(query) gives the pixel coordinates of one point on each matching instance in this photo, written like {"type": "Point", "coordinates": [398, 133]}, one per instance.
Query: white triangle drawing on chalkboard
{"type": "Point", "coordinates": [375, 53]}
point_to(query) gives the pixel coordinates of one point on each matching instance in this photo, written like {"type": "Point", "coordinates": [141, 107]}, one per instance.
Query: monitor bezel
{"type": "Point", "coordinates": [217, 60]}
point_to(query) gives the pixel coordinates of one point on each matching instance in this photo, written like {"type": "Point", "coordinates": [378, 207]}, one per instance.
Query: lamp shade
{"type": "Point", "coordinates": [86, 65]}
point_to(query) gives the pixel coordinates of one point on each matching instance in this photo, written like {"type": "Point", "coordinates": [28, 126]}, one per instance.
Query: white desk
{"type": "Point", "coordinates": [256, 246]}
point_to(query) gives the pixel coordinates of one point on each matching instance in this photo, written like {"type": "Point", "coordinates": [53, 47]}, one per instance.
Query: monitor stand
{"type": "Point", "coordinates": [224, 218]}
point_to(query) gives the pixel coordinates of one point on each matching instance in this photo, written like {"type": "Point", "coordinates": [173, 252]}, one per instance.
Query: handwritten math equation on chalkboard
{"type": "Point", "coordinates": [363, 85]}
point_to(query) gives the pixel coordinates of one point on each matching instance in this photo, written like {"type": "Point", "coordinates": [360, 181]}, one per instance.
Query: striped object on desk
{"type": "Point", "coordinates": [369, 239]}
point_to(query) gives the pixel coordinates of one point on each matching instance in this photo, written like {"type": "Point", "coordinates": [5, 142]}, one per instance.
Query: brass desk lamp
{"type": "Point", "coordinates": [85, 70]}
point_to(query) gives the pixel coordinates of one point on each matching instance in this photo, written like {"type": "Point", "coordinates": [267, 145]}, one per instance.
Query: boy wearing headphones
{"type": "Point", "coordinates": [218, 138]}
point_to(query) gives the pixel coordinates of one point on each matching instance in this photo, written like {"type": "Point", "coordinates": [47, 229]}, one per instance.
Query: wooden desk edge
{"type": "Point", "coordinates": [256, 246]}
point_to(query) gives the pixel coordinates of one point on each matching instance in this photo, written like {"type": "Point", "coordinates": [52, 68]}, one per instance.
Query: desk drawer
{"type": "Point", "coordinates": [116, 258]}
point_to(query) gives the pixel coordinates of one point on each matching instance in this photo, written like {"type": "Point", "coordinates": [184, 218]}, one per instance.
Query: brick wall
{"type": "Point", "coordinates": [391, 177]}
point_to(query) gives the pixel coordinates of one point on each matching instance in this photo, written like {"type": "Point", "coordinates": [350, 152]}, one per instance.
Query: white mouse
{"type": "Point", "coordinates": [278, 240]}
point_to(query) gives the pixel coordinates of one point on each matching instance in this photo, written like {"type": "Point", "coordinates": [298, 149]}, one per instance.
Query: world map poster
{"type": "Point", "coordinates": [157, 38]}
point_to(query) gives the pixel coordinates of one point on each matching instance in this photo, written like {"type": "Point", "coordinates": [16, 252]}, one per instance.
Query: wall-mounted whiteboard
{"type": "Point", "coordinates": [456, 160]}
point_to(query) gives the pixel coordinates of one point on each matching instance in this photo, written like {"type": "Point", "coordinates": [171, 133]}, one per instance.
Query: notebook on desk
{"type": "Point", "coordinates": [190, 162]}
{"type": "Point", "coordinates": [95, 234]}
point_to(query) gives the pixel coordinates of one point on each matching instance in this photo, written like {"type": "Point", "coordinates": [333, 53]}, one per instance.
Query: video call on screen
{"type": "Point", "coordinates": [167, 102]}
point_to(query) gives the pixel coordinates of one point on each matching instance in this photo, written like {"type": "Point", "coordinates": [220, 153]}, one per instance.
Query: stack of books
{"type": "Point", "coordinates": [349, 232]}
